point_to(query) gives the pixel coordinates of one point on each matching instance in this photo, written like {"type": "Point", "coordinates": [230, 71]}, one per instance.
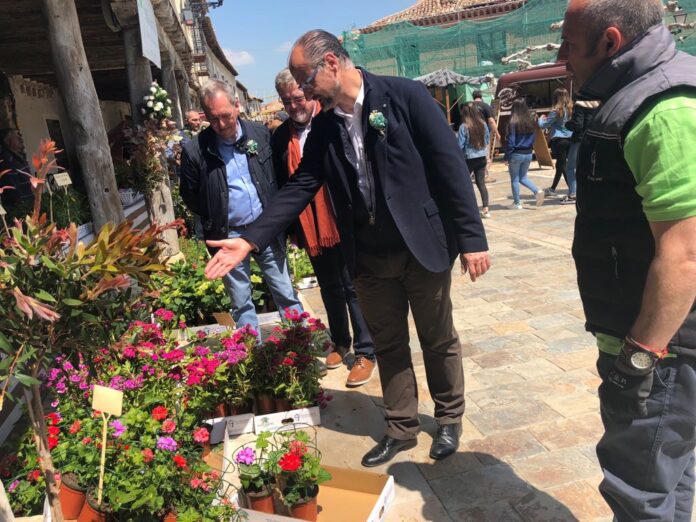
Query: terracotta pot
{"type": "Point", "coordinates": [90, 513]}
{"type": "Point", "coordinates": [239, 409]}
{"type": "Point", "coordinates": [72, 498]}
{"type": "Point", "coordinates": [281, 404]}
{"type": "Point", "coordinates": [220, 410]}
{"type": "Point", "coordinates": [170, 517]}
{"type": "Point", "coordinates": [260, 501]}
{"type": "Point", "coordinates": [264, 405]}
{"type": "Point", "coordinates": [305, 510]}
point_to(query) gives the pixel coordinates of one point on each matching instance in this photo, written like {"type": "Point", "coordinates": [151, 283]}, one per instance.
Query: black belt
{"type": "Point", "coordinates": [239, 227]}
{"type": "Point", "coordinates": [522, 151]}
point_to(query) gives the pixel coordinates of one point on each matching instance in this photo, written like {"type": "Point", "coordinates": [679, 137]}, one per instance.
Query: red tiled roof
{"type": "Point", "coordinates": [430, 12]}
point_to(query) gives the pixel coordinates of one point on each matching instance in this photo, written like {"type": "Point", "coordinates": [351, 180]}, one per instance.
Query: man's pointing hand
{"type": "Point", "coordinates": [231, 253]}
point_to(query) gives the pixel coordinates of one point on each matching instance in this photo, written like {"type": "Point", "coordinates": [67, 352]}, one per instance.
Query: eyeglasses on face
{"type": "Point", "coordinates": [309, 82]}
{"type": "Point", "coordinates": [296, 101]}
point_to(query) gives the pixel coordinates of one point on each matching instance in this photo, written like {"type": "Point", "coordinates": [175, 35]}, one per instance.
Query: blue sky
{"type": "Point", "coordinates": [256, 35]}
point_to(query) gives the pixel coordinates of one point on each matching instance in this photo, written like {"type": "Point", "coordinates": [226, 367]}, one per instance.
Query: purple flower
{"type": "Point", "coordinates": [200, 351]}
{"type": "Point", "coordinates": [12, 486]}
{"type": "Point", "coordinates": [166, 444]}
{"type": "Point", "coordinates": [60, 387]}
{"type": "Point", "coordinates": [118, 427]}
{"type": "Point", "coordinates": [55, 403]}
{"type": "Point", "coordinates": [129, 352]}
{"type": "Point", "coordinates": [83, 385]}
{"type": "Point", "coordinates": [75, 378]}
{"type": "Point", "coordinates": [246, 456]}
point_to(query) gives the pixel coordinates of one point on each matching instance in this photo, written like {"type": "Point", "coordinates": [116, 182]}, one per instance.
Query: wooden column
{"type": "Point", "coordinates": [169, 84]}
{"type": "Point", "coordinates": [82, 108]}
{"type": "Point", "coordinates": [137, 69]}
{"type": "Point", "coordinates": [160, 207]}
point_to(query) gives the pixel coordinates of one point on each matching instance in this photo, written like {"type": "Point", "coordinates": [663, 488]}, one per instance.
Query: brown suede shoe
{"type": "Point", "coordinates": [361, 372]}
{"type": "Point", "coordinates": [335, 359]}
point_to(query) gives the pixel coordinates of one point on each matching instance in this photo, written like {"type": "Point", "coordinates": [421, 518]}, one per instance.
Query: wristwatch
{"type": "Point", "coordinates": [639, 358]}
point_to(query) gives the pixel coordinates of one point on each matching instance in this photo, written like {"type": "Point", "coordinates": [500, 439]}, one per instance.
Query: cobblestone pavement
{"type": "Point", "coordinates": [531, 422]}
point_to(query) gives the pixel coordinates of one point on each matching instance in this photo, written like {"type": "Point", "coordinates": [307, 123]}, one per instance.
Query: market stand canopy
{"type": "Point", "coordinates": [446, 77]}
{"type": "Point", "coordinates": [440, 82]}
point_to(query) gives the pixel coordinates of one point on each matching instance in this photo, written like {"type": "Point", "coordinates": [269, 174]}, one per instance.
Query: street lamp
{"type": "Point", "coordinates": [680, 16]}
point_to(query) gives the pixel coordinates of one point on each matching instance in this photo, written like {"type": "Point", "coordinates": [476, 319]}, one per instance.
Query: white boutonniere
{"type": "Point", "coordinates": [378, 121]}
{"type": "Point", "coordinates": [251, 148]}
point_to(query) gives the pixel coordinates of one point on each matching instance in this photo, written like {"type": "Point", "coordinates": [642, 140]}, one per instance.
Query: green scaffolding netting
{"type": "Point", "coordinates": [472, 48]}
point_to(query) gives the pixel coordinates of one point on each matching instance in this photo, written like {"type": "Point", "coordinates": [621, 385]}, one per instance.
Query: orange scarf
{"type": "Point", "coordinates": [317, 219]}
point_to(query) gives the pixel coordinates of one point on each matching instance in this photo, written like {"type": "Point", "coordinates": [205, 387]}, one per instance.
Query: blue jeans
{"type": "Point", "coordinates": [648, 463]}
{"type": "Point", "coordinates": [570, 168]}
{"type": "Point", "coordinates": [518, 165]}
{"type": "Point", "coordinates": [274, 268]}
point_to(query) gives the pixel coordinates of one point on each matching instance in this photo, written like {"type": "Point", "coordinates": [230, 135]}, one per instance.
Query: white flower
{"type": "Point", "coordinates": [153, 89]}
{"type": "Point", "coordinates": [169, 101]}
{"type": "Point", "coordinates": [151, 98]}
{"type": "Point", "coordinates": [150, 104]}
{"type": "Point", "coordinates": [145, 98]}
{"type": "Point", "coordinates": [163, 92]}
{"type": "Point", "coordinates": [158, 106]}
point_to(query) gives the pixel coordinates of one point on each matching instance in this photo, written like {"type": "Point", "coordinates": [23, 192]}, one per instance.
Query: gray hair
{"type": "Point", "coordinates": [317, 43]}
{"type": "Point", "coordinates": [212, 87]}
{"type": "Point", "coordinates": [632, 17]}
{"type": "Point", "coordinates": [284, 79]}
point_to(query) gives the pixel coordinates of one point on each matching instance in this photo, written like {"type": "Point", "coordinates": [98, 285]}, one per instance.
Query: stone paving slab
{"type": "Point", "coordinates": [532, 420]}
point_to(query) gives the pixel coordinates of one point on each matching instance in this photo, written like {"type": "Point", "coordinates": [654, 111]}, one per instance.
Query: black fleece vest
{"type": "Point", "coordinates": [613, 245]}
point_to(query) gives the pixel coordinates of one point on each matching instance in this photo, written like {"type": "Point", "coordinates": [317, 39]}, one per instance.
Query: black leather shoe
{"type": "Point", "coordinates": [446, 441]}
{"type": "Point", "coordinates": [385, 450]}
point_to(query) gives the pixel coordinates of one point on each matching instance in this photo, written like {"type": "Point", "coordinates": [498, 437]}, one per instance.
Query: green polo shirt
{"type": "Point", "coordinates": [660, 149]}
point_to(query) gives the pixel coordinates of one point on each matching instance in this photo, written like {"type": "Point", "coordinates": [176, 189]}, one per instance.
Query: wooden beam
{"type": "Point", "coordinates": [82, 108]}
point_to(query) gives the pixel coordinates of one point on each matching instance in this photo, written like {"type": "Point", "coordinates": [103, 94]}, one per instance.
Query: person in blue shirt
{"type": "Point", "coordinates": [558, 133]}
{"type": "Point", "coordinates": [519, 145]}
{"type": "Point", "coordinates": [473, 137]}
{"type": "Point", "coordinates": [228, 179]}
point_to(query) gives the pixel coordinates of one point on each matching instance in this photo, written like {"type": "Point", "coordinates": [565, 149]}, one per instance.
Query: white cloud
{"type": "Point", "coordinates": [239, 57]}
{"type": "Point", "coordinates": [284, 47]}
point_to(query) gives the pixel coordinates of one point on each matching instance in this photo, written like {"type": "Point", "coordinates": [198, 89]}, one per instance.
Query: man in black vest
{"type": "Point", "coordinates": [635, 249]}
{"type": "Point", "coordinates": [405, 210]}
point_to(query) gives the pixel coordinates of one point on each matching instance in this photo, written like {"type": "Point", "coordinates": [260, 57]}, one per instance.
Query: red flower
{"type": "Point", "coordinates": [147, 455]}
{"type": "Point", "coordinates": [74, 427]}
{"type": "Point", "coordinates": [33, 476]}
{"type": "Point", "coordinates": [52, 442]}
{"type": "Point", "coordinates": [86, 440]}
{"type": "Point", "coordinates": [53, 430]}
{"type": "Point", "coordinates": [290, 462]}
{"type": "Point", "coordinates": [201, 435]}
{"type": "Point", "coordinates": [168, 426]}
{"type": "Point", "coordinates": [54, 418]}
{"type": "Point", "coordinates": [180, 461]}
{"type": "Point", "coordinates": [287, 362]}
{"type": "Point", "coordinates": [160, 413]}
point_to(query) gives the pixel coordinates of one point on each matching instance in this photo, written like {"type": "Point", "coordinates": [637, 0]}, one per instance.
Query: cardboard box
{"type": "Point", "coordinates": [350, 496]}
{"type": "Point", "coordinates": [277, 421]}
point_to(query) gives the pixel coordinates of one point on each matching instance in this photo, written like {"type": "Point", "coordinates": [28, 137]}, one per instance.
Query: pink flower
{"type": "Point", "coordinates": [168, 426]}
{"type": "Point", "coordinates": [201, 435]}
{"type": "Point", "coordinates": [195, 483]}
{"type": "Point", "coordinates": [200, 351]}
{"type": "Point", "coordinates": [165, 315]}
{"type": "Point", "coordinates": [129, 352]}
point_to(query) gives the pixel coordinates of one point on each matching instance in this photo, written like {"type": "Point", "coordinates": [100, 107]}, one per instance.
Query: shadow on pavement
{"type": "Point", "coordinates": [482, 493]}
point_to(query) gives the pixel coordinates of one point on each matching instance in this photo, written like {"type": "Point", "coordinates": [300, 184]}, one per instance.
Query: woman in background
{"type": "Point", "coordinates": [519, 142]}
{"type": "Point", "coordinates": [474, 137]}
{"type": "Point", "coordinates": [559, 135]}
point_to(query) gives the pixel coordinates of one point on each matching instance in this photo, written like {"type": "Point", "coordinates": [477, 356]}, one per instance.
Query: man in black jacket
{"type": "Point", "coordinates": [405, 209]}
{"type": "Point", "coordinates": [227, 179]}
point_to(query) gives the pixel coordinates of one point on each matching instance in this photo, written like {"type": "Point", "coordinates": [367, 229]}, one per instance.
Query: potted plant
{"type": "Point", "coordinates": [297, 464]}
{"type": "Point", "coordinates": [255, 475]}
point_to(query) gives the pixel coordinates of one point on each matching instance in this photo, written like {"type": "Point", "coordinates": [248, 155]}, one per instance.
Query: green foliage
{"type": "Point", "coordinates": [21, 475]}
{"type": "Point", "coordinates": [189, 294]}
{"type": "Point", "coordinates": [181, 211]}
{"type": "Point", "coordinates": [66, 206]}
{"type": "Point", "coordinates": [299, 263]}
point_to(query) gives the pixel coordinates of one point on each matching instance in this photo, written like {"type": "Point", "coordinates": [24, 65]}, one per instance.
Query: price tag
{"type": "Point", "coordinates": [61, 179]}
{"type": "Point", "coordinates": [107, 400]}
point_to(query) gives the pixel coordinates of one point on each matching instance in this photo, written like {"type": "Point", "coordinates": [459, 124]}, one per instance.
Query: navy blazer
{"type": "Point", "coordinates": [423, 175]}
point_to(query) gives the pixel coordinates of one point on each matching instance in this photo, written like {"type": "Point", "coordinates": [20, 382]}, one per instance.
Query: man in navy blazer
{"type": "Point", "coordinates": [405, 210]}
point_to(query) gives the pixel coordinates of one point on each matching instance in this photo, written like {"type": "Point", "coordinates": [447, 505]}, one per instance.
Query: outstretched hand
{"type": "Point", "coordinates": [476, 263]}
{"type": "Point", "coordinates": [231, 253]}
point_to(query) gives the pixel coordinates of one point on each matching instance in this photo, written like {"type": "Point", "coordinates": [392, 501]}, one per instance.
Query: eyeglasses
{"type": "Point", "coordinates": [309, 82]}
{"type": "Point", "coordinates": [296, 101]}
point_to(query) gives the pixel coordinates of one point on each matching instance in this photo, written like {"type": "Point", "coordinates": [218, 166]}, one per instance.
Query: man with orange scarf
{"type": "Point", "coordinates": [317, 233]}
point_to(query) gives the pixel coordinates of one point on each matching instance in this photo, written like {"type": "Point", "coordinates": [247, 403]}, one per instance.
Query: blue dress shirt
{"type": "Point", "coordinates": [244, 205]}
